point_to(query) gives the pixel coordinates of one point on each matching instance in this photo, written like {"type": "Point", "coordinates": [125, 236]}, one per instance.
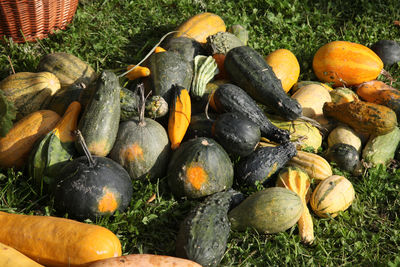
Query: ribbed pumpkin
{"type": "Point", "coordinates": [18, 143]}
{"type": "Point", "coordinates": [334, 194]}
{"type": "Point", "coordinates": [199, 167]}
{"type": "Point", "coordinates": [68, 68]}
{"type": "Point", "coordinates": [346, 63]}
{"type": "Point", "coordinates": [200, 26]}
{"type": "Point", "coordinates": [30, 91]}
{"type": "Point", "coordinates": [316, 166]}
{"type": "Point", "coordinates": [285, 66]}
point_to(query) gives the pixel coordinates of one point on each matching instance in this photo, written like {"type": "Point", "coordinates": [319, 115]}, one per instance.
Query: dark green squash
{"type": "Point", "coordinates": [388, 51]}
{"type": "Point", "coordinates": [166, 70]}
{"type": "Point", "coordinates": [204, 233]}
{"type": "Point", "coordinates": [237, 134]}
{"type": "Point", "coordinates": [199, 167]}
{"type": "Point", "coordinates": [345, 156]}
{"type": "Point", "coordinates": [188, 48]}
{"type": "Point", "coordinates": [263, 163]}
{"type": "Point", "coordinates": [231, 98]}
{"type": "Point", "coordinates": [100, 120]}
{"type": "Point", "coordinates": [249, 70]}
{"type": "Point", "coordinates": [200, 126]}
{"type": "Point", "coordinates": [269, 211]}
{"type": "Point", "coordinates": [89, 187]}
{"type": "Point", "coordinates": [142, 148]}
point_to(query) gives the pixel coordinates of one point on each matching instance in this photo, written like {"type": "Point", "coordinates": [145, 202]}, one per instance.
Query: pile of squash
{"type": "Point", "coordinates": [212, 114]}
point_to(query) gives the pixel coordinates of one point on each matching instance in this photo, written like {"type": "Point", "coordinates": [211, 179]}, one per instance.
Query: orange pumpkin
{"type": "Point", "coordinates": [285, 66]}
{"type": "Point", "coordinates": [346, 63]}
{"type": "Point", "coordinates": [200, 26]}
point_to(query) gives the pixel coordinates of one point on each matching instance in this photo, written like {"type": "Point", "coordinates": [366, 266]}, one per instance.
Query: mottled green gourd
{"type": "Point", "coordinates": [381, 149]}
{"type": "Point", "coordinates": [222, 42]}
{"type": "Point", "coordinates": [205, 69]}
{"type": "Point", "coordinates": [269, 211]}
{"type": "Point", "coordinates": [204, 233]}
{"type": "Point", "coordinates": [100, 120]}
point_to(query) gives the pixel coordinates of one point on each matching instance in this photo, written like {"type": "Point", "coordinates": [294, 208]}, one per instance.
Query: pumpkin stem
{"type": "Point", "coordinates": [142, 105]}
{"type": "Point", "coordinates": [388, 76]}
{"type": "Point", "coordinates": [148, 54]}
{"type": "Point", "coordinates": [82, 142]}
{"type": "Point", "coordinates": [315, 124]}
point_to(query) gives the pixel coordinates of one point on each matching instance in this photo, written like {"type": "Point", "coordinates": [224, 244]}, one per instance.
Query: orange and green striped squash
{"type": "Point", "coordinates": [200, 26]}
{"type": "Point", "coordinates": [346, 64]}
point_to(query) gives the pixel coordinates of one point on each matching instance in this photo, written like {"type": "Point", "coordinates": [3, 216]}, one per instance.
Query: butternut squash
{"type": "Point", "coordinates": [54, 241]}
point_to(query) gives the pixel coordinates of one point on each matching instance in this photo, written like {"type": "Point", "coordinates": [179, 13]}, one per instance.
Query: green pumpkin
{"type": "Point", "coordinates": [142, 148]}
{"type": "Point", "coordinates": [198, 168]}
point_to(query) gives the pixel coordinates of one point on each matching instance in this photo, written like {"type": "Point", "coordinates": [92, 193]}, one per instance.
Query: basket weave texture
{"type": "Point", "coordinates": [28, 20]}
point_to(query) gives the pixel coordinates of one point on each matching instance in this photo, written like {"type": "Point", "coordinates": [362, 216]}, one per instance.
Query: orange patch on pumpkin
{"type": "Point", "coordinates": [107, 203]}
{"type": "Point", "coordinates": [132, 153]}
{"type": "Point", "coordinates": [196, 176]}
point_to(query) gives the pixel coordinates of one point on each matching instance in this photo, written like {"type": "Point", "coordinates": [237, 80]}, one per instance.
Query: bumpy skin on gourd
{"type": "Point", "coordinates": [204, 233]}
{"type": "Point", "coordinates": [237, 134]}
{"type": "Point", "coordinates": [263, 163]}
{"type": "Point", "coordinates": [364, 117]}
{"type": "Point", "coordinates": [249, 70]}
{"type": "Point", "coordinates": [231, 98]}
{"type": "Point", "coordinates": [100, 120]}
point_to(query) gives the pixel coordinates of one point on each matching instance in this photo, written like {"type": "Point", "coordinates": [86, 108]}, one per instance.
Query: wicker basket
{"type": "Point", "coordinates": [28, 20]}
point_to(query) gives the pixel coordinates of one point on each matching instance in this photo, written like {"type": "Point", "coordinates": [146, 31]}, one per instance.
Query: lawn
{"type": "Point", "coordinates": [111, 34]}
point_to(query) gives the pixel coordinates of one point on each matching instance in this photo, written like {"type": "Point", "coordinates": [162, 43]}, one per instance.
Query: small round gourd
{"type": "Point", "coordinates": [344, 155]}
{"type": "Point", "coordinates": [199, 167]}
{"type": "Point", "coordinates": [332, 195]}
{"type": "Point", "coordinates": [345, 134]}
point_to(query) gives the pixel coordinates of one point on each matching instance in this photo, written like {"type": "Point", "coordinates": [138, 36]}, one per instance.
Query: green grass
{"type": "Point", "coordinates": [111, 34]}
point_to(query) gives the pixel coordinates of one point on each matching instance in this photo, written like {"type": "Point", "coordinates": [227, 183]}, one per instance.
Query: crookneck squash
{"type": "Point", "coordinates": [179, 116]}
{"type": "Point", "coordinates": [249, 70]}
{"type": "Point", "coordinates": [19, 141]}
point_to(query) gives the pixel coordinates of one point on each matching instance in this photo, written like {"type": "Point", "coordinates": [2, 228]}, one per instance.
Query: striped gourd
{"type": "Point", "coordinates": [331, 196]}
{"type": "Point", "coordinates": [68, 68]}
{"type": "Point", "coordinates": [346, 63]}
{"type": "Point", "coordinates": [30, 91]}
{"type": "Point", "coordinates": [315, 166]}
